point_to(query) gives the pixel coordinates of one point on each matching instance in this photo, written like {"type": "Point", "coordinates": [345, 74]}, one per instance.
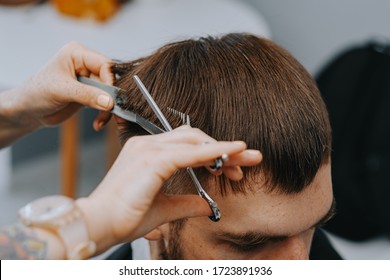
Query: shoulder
{"type": "Point", "coordinates": [321, 248]}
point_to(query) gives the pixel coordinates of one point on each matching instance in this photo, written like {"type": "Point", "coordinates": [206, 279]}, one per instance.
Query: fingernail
{"type": "Point", "coordinates": [253, 152]}
{"type": "Point", "coordinates": [103, 101]}
{"type": "Point", "coordinates": [98, 126]}
{"type": "Point", "coordinates": [101, 125]}
{"type": "Point", "coordinates": [239, 142]}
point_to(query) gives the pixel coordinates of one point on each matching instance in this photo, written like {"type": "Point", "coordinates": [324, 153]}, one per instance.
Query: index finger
{"type": "Point", "coordinates": [93, 62]}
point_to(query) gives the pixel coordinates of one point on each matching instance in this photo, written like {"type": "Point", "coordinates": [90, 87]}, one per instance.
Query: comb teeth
{"type": "Point", "coordinates": [184, 117]}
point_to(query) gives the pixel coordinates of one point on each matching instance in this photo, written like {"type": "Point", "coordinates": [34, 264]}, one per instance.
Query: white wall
{"type": "Point", "coordinates": [30, 36]}
{"type": "Point", "coordinates": [314, 30]}
{"type": "Point", "coordinates": [5, 168]}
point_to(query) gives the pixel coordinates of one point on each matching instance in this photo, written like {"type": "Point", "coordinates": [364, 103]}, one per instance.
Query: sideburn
{"type": "Point", "coordinates": [174, 250]}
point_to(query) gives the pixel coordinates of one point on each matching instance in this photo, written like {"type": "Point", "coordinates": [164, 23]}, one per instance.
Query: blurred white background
{"type": "Point", "coordinates": [314, 30]}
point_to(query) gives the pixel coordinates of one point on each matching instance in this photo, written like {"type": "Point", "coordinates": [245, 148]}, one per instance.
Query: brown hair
{"type": "Point", "coordinates": [237, 87]}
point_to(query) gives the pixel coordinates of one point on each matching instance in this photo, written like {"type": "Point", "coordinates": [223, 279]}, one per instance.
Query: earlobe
{"type": "Point", "coordinates": [157, 241]}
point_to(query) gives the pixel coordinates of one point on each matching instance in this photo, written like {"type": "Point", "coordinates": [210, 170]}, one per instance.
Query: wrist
{"type": "Point", "coordinates": [62, 217]}
{"type": "Point", "coordinates": [14, 122]}
{"type": "Point", "coordinates": [97, 222]}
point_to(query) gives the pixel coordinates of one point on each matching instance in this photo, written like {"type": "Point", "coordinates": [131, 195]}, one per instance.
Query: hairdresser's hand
{"type": "Point", "coordinates": [53, 94]}
{"type": "Point", "coordinates": [129, 202]}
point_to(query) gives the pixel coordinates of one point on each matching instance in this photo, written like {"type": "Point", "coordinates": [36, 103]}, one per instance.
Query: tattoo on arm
{"type": "Point", "coordinates": [21, 243]}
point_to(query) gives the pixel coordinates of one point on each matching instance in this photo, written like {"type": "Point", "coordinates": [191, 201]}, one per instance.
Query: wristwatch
{"type": "Point", "coordinates": [61, 216]}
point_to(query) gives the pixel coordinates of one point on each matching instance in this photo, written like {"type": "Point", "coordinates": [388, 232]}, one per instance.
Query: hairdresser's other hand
{"type": "Point", "coordinates": [129, 202]}
{"type": "Point", "coordinates": [54, 94]}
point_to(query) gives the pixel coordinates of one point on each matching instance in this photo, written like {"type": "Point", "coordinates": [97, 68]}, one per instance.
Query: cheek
{"type": "Point", "coordinates": [194, 246]}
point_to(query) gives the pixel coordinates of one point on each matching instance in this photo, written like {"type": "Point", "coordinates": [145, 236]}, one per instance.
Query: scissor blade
{"type": "Point", "coordinates": [125, 114]}
{"type": "Point", "coordinates": [113, 91]}
{"type": "Point", "coordinates": [148, 126]}
{"type": "Point", "coordinates": [152, 103]}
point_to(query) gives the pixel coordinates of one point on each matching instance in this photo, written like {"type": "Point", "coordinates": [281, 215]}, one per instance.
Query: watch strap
{"type": "Point", "coordinates": [73, 232]}
{"type": "Point", "coordinates": [61, 216]}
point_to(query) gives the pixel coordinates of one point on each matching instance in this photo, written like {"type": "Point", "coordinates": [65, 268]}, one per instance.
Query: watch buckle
{"type": "Point", "coordinates": [83, 251]}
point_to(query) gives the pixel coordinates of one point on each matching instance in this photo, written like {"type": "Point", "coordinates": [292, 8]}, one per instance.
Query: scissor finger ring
{"type": "Point", "coordinates": [219, 162]}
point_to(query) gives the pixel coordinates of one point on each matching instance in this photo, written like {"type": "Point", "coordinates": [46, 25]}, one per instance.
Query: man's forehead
{"type": "Point", "coordinates": [276, 213]}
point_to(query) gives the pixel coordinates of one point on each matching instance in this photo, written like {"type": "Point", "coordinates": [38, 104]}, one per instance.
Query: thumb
{"type": "Point", "coordinates": [170, 208]}
{"type": "Point", "coordinates": [91, 97]}
{"type": "Point", "coordinates": [186, 206]}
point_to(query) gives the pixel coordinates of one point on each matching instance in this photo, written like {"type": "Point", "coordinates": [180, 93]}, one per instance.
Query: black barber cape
{"type": "Point", "coordinates": [321, 249]}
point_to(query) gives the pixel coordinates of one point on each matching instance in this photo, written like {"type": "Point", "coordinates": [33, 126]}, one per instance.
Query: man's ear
{"type": "Point", "coordinates": [158, 233]}
{"type": "Point", "coordinates": [119, 121]}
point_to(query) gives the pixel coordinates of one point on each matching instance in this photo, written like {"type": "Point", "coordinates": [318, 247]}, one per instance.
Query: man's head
{"type": "Point", "coordinates": [241, 87]}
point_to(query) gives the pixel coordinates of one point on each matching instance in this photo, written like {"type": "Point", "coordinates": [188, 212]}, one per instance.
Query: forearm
{"type": "Point", "coordinates": [18, 242]}
{"type": "Point", "coordinates": [14, 124]}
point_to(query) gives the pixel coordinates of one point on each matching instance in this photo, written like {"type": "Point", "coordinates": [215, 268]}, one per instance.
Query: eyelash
{"type": "Point", "coordinates": [243, 248]}
{"type": "Point", "coordinates": [254, 247]}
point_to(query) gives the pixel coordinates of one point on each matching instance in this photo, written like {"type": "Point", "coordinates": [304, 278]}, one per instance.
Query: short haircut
{"type": "Point", "coordinates": [236, 87]}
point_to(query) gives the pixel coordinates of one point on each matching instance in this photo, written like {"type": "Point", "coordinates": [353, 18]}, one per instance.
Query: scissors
{"type": "Point", "coordinates": [117, 110]}
{"type": "Point", "coordinates": [150, 127]}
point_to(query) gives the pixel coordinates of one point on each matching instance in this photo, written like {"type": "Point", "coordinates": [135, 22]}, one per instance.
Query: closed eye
{"type": "Point", "coordinates": [252, 241]}
{"type": "Point", "coordinates": [243, 248]}
{"type": "Point", "coordinates": [254, 246]}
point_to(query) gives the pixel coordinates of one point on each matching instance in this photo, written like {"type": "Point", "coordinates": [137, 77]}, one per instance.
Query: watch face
{"type": "Point", "coordinates": [46, 209]}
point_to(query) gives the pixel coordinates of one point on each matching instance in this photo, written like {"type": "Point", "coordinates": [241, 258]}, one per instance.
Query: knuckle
{"type": "Point", "coordinates": [73, 45]}
{"type": "Point", "coordinates": [70, 47]}
{"type": "Point", "coordinates": [133, 140]}
{"type": "Point", "coordinates": [136, 142]}
{"type": "Point", "coordinates": [196, 132]}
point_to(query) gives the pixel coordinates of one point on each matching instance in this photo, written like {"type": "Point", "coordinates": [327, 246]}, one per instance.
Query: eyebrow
{"type": "Point", "coordinates": [257, 238]}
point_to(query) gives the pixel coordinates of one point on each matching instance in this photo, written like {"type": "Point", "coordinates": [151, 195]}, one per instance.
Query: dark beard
{"type": "Point", "coordinates": [174, 250]}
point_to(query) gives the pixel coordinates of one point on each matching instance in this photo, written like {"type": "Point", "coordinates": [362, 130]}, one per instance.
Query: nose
{"type": "Point", "coordinates": [292, 248]}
